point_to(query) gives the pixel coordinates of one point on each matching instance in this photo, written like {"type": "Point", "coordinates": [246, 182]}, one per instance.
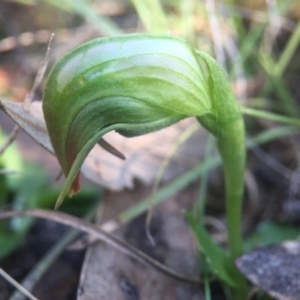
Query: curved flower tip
{"type": "Point", "coordinates": [76, 186]}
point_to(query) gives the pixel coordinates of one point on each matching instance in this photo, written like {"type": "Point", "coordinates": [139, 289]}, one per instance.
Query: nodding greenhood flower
{"type": "Point", "coordinates": [135, 84]}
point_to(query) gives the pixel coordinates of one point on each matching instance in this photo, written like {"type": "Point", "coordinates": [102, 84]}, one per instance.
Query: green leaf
{"type": "Point", "coordinates": [10, 240]}
{"type": "Point", "coordinates": [216, 257]}
{"type": "Point", "coordinates": [269, 233]}
{"type": "Point", "coordinates": [11, 160]}
{"type": "Point", "coordinates": [85, 9]}
{"type": "Point", "coordinates": [13, 232]}
{"type": "Point", "coordinates": [157, 24]}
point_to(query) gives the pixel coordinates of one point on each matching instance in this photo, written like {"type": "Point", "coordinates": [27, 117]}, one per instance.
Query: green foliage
{"type": "Point", "coordinates": [269, 232]}
{"type": "Point", "coordinates": [216, 258]}
{"type": "Point", "coordinates": [107, 84]}
{"type": "Point", "coordinates": [10, 161]}
{"type": "Point", "coordinates": [153, 25]}
{"type": "Point", "coordinates": [25, 192]}
{"type": "Point", "coordinates": [30, 185]}
{"type": "Point", "coordinates": [33, 191]}
{"type": "Point", "coordinates": [85, 10]}
{"type": "Point", "coordinates": [28, 188]}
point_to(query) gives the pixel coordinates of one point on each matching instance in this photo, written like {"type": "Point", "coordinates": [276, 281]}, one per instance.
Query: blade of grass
{"type": "Point", "coordinates": [200, 203]}
{"type": "Point", "coordinates": [248, 44]}
{"type": "Point", "coordinates": [237, 20]}
{"type": "Point", "coordinates": [152, 15]}
{"type": "Point", "coordinates": [185, 179]}
{"type": "Point", "coordinates": [274, 27]}
{"type": "Point", "coordinates": [216, 257]}
{"type": "Point", "coordinates": [275, 82]}
{"type": "Point", "coordinates": [187, 133]}
{"type": "Point", "coordinates": [207, 287]}
{"type": "Point", "coordinates": [105, 25]}
{"type": "Point", "coordinates": [215, 32]}
{"type": "Point", "coordinates": [169, 190]}
{"type": "Point", "coordinates": [288, 52]}
{"type": "Point", "coordinates": [271, 135]}
{"type": "Point", "coordinates": [287, 100]}
{"type": "Point", "coordinates": [187, 24]}
{"type": "Point", "coordinates": [270, 116]}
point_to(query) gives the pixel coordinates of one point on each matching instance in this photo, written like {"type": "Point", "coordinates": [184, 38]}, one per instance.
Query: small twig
{"type": "Point", "coordinates": [215, 32]}
{"type": "Point", "coordinates": [16, 285]}
{"type": "Point", "coordinates": [10, 139]}
{"type": "Point", "coordinates": [294, 187]}
{"type": "Point", "coordinates": [258, 16]}
{"type": "Point", "coordinates": [187, 133]}
{"type": "Point", "coordinates": [253, 199]}
{"type": "Point", "coordinates": [29, 96]}
{"type": "Point", "coordinates": [43, 36]}
{"type": "Point", "coordinates": [47, 260]}
{"type": "Point", "coordinates": [253, 191]}
{"type": "Point", "coordinates": [215, 223]}
{"type": "Point", "coordinates": [43, 265]}
{"type": "Point", "coordinates": [106, 237]}
{"type": "Point", "coordinates": [25, 39]}
{"type": "Point", "coordinates": [273, 163]}
{"type": "Point", "coordinates": [8, 172]}
{"type": "Point", "coordinates": [39, 75]}
{"type": "Point", "coordinates": [236, 61]}
{"type": "Point", "coordinates": [252, 293]}
{"type": "Point", "coordinates": [274, 25]}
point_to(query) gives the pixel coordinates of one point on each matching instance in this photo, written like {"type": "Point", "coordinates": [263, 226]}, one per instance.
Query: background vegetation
{"type": "Point", "coordinates": [257, 45]}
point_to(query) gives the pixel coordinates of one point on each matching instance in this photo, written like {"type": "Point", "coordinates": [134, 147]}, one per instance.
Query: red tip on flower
{"type": "Point", "coordinates": [76, 185]}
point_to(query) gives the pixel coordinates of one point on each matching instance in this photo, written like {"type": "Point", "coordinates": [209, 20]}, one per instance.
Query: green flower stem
{"type": "Point", "coordinates": [228, 127]}
{"type": "Point", "coordinates": [233, 165]}
{"type": "Point", "coordinates": [234, 184]}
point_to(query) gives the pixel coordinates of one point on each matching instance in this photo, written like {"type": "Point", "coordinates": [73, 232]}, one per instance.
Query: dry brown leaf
{"type": "Point", "coordinates": [274, 269]}
{"type": "Point", "coordinates": [108, 274]}
{"type": "Point", "coordinates": [30, 120]}
{"type": "Point", "coordinates": [144, 154]}
{"type": "Point", "coordinates": [115, 276]}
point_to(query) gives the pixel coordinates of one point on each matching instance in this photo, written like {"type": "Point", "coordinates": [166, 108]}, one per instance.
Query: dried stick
{"type": "Point", "coordinates": [16, 285]}
{"type": "Point", "coordinates": [99, 233]}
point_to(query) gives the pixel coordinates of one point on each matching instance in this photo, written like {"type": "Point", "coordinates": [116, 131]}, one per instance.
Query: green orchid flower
{"type": "Point", "coordinates": [136, 84]}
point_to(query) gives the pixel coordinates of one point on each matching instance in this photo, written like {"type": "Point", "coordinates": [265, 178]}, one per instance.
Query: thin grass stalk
{"type": "Point", "coordinates": [200, 204]}
{"type": "Point", "coordinates": [288, 52]}
{"type": "Point", "coordinates": [270, 116]}
{"type": "Point", "coordinates": [146, 9]}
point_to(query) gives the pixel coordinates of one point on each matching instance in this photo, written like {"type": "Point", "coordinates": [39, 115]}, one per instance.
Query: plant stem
{"type": "Point", "coordinates": [231, 145]}
{"type": "Point", "coordinates": [232, 150]}
{"type": "Point", "coordinates": [227, 125]}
